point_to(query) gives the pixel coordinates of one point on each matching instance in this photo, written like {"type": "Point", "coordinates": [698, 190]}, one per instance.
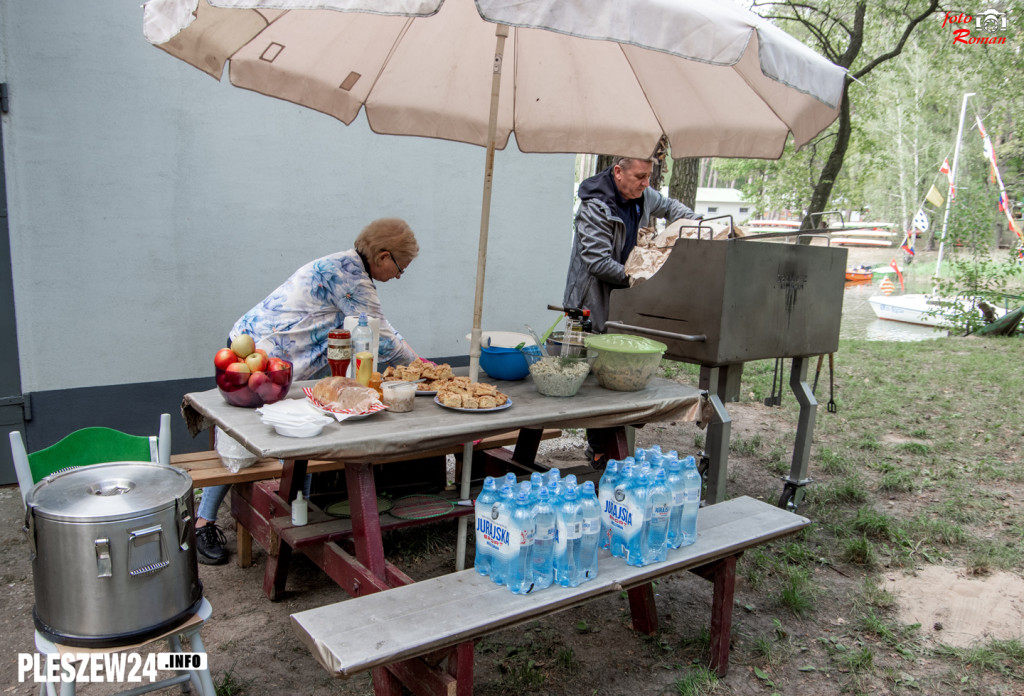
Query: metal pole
{"type": "Point", "coordinates": [501, 32]}
{"type": "Point", "coordinates": [949, 198]}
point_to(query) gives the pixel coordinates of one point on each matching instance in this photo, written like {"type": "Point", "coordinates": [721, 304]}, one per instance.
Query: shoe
{"type": "Point", "coordinates": [598, 460]}
{"type": "Point", "coordinates": [210, 545]}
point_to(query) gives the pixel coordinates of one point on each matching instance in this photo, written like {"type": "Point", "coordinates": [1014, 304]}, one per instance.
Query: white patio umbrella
{"type": "Point", "coordinates": [579, 76]}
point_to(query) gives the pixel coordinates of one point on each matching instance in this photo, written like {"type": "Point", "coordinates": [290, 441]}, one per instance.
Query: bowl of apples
{"type": "Point", "coordinates": [248, 377]}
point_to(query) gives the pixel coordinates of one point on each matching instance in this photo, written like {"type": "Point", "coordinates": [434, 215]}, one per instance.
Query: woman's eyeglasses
{"type": "Point", "coordinates": [395, 261]}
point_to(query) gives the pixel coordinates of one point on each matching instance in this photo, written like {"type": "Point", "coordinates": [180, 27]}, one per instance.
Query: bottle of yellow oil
{"type": "Point", "coordinates": [364, 367]}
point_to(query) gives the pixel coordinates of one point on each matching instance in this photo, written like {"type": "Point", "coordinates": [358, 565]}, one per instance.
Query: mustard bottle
{"type": "Point", "coordinates": [364, 367]}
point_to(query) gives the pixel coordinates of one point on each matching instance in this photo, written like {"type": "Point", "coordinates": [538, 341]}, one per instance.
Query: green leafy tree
{"type": "Point", "coordinates": [840, 30]}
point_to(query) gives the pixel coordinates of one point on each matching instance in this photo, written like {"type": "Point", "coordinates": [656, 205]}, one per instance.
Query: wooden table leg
{"type": "Point", "coordinates": [643, 609]}
{"type": "Point", "coordinates": [721, 614]}
{"type": "Point", "coordinates": [243, 544]}
{"type": "Point", "coordinates": [366, 534]}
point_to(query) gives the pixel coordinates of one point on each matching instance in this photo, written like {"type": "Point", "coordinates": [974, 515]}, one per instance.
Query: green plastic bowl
{"type": "Point", "coordinates": [625, 362]}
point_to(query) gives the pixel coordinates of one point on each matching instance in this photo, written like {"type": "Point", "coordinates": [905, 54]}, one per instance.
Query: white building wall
{"type": "Point", "coordinates": [150, 206]}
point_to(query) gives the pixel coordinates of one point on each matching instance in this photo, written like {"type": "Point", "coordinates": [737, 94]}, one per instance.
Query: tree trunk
{"type": "Point", "coordinates": [827, 180]}
{"type": "Point", "coordinates": [683, 186]}
{"type": "Point", "coordinates": [603, 162]}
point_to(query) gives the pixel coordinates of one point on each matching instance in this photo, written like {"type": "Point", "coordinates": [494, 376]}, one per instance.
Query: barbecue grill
{"type": "Point", "coordinates": [720, 303]}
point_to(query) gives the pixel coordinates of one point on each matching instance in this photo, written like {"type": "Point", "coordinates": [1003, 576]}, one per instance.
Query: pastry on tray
{"type": "Point", "coordinates": [433, 375]}
{"type": "Point", "coordinates": [461, 393]}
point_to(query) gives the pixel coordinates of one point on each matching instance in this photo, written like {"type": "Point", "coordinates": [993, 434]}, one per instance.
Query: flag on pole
{"type": "Point", "coordinates": [949, 175]}
{"type": "Point", "coordinates": [921, 221]}
{"type": "Point", "coordinates": [908, 243]}
{"type": "Point", "coordinates": [934, 197]}
{"type": "Point", "coordinates": [899, 275]}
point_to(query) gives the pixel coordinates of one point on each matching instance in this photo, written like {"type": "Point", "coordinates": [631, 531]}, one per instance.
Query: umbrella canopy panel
{"type": "Point", "coordinates": [584, 77]}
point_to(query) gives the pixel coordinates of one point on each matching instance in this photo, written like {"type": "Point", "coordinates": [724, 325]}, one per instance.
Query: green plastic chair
{"type": "Point", "coordinates": [89, 446]}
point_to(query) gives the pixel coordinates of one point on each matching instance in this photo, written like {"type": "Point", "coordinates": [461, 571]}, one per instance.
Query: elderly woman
{"type": "Point", "coordinates": [293, 321]}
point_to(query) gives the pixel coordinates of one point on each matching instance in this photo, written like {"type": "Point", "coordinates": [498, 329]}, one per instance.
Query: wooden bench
{"type": "Point", "coordinates": [206, 469]}
{"type": "Point", "coordinates": [388, 631]}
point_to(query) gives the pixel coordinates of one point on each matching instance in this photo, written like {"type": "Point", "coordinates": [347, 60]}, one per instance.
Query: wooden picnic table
{"type": "Point", "coordinates": [386, 437]}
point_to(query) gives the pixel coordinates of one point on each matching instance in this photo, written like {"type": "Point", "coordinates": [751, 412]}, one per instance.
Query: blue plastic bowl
{"type": "Point", "coordinates": [505, 363]}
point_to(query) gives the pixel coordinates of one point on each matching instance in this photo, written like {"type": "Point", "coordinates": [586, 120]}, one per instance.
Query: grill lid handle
{"type": "Point", "coordinates": [694, 338]}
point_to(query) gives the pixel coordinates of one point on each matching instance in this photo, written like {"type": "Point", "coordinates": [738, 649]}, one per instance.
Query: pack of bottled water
{"type": "Point", "coordinates": [648, 505]}
{"type": "Point", "coordinates": [537, 533]}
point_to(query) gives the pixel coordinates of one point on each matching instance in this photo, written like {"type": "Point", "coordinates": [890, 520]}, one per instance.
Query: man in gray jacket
{"type": "Point", "coordinates": [614, 204]}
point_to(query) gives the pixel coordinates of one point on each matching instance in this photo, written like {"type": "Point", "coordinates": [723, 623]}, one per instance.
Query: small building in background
{"type": "Point", "coordinates": [712, 202]}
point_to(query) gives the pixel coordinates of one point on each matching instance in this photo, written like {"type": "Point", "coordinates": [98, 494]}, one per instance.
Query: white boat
{"type": "Point", "coordinates": [924, 310]}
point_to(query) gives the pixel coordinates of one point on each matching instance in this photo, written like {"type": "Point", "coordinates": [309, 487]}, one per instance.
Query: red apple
{"type": "Point", "coordinates": [237, 374]}
{"type": "Point", "coordinates": [224, 357]}
{"type": "Point", "coordinates": [267, 390]}
{"type": "Point", "coordinates": [256, 361]}
{"type": "Point", "coordinates": [243, 345]}
{"type": "Point", "coordinates": [258, 378]}
{"type": "Point", "coordinates": [280, 371]}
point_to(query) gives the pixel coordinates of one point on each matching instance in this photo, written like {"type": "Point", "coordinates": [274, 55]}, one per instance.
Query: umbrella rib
{"type": "Point", "coordinates": [642, 89]}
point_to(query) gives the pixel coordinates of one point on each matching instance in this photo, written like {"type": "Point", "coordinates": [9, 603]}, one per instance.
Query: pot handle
{"type": "Point", "coordinates": [146, 551]}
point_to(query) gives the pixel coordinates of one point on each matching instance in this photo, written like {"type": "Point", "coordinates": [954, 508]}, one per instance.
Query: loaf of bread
{"type": "Point", "coordinates": [343, 393]}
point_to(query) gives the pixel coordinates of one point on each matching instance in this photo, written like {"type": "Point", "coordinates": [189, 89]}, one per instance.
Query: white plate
{"type": "Point", "coordinates": [475, 410]}
{"type": "Point", "coordinates": [306, 430]}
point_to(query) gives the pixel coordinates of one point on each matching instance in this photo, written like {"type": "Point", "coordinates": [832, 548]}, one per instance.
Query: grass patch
{"type": "Point", "coordinates": [988, 557]}
{"type": "Point", "coordinates": [860, 552]}
{"type": "Point", "coordinates": [798, 591]}
{"type": "Point", "coordinates": [833, 463]}
{"type": "Point", "coordinates": [1002, 656]}
{"type": "Point", "coordinates": [898, 481]}
{"type": "Point", "coordinates": [229, 684]}
{"type": "Point", "coordinates": [699, 681]}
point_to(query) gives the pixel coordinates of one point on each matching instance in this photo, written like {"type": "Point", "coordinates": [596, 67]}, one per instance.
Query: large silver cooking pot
{"type": "Point", "coordinates": [113, 553]}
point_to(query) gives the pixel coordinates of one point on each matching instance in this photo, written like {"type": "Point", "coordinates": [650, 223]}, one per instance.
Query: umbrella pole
{"type": "Point", "coordinates": [501, 32]}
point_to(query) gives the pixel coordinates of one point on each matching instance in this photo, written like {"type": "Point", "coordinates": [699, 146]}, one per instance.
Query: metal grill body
{"type": "Point", "coordinates": [721, 303]}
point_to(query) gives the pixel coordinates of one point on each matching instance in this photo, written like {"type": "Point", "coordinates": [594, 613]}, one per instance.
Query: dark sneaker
{"type": "Point", "coordinates": [210, 545]}
{"type": "Point", "coordinates": [598, 460]}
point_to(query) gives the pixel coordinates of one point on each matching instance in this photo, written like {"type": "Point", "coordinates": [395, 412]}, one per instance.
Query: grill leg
{"type": "Point", "coordinates": [797, 479]}
{"type": "Point", "coordinates": [716, 445]}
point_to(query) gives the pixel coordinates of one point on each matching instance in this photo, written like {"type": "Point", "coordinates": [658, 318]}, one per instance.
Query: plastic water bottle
{"type": "Point", "coordinates": [484, 533]}
{"type": "Point", "coordinates": [634, 531]}
{"type": "Point", "coordinates": [536, 483]}
{"type": "Point", "coordinates": [569, 521]}
{"type": "Point", "coordinates": [501, 520]}
{"type": "Point", "coordinates": [590, 510]}
{"type": "Point", "coordinates": [618, 513]}
{"type": "Point", "coordinates": [510, 480]}
{"type": "Point", "coordinates": [605, 489]}
{"type": "Point", "coordinates": [543, 541]}
{"type": "Point", "coordinates": [362, 339]}
{"type": "Point", "coordinates": [659, 501]}
{"type": "Point", "coordinates": [521, 535]}
{"type": "Point", "coordinates": [675, 482]}
{"type": "Point", "coordinates": [553, 480]}
{"type": "Point", "coordinates": [691, 477]}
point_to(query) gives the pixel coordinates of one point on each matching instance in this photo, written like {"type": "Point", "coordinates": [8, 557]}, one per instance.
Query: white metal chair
{"type": "Point", "coordinates": [200, 680]}
{"type": "Point", "coordinates": [88, 446]}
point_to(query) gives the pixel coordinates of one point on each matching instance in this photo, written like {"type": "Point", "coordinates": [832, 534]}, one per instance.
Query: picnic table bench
{"type": "Point", "coordinates": [443, 616]}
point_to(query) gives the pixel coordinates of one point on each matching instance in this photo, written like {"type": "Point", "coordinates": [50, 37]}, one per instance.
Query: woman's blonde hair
{"type": "Point", "coordinates": [388, 234]}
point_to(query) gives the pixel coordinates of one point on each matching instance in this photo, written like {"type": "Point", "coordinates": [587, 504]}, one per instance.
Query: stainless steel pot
{"type": "Point", "coordinates": [113, 553]}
